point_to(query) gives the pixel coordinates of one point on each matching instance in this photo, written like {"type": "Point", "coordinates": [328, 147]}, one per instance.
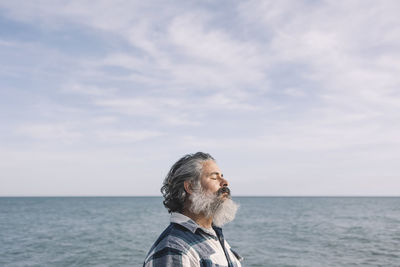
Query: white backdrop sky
{"type": "Point", "coordinates": [290, 97]}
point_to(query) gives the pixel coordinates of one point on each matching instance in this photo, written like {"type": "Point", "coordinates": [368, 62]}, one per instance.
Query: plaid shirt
{"type": "Point", "coordinates": [185, 243]}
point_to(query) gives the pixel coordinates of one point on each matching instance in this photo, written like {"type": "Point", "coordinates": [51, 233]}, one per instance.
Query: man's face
{"type": "Point", "coordinates": [212, 179]}
{"type": "Point", "coordinates": [213, 199]}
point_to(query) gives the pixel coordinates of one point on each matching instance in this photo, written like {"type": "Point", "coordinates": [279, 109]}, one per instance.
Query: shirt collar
{"type": "Point", "coordinates": [191, 225]}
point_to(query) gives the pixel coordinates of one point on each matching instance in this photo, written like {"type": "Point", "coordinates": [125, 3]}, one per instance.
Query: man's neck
{"type": "Point", "coordinates": [200, 219]}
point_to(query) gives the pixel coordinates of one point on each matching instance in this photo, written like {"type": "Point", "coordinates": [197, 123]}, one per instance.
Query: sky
{"type": "Point", "coordinates": [292, 98]}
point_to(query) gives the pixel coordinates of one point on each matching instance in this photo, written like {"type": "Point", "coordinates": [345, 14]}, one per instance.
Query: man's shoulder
{"type": "Point", "coordinates": [175, 241]}
{"type": "Point", "coordinates": [178, 237]}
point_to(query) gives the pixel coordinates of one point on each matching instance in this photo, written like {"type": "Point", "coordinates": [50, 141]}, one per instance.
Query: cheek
{"type": "Point", "coordinates": [214, 186]}
{"type": "Point", "coordinates": [211, 186]}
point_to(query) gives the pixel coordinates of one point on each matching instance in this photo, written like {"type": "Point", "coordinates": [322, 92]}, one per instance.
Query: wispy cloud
{"type": "Point", "coordinates": [127, 136]}
{"type": "Point", "coordinates": [60, 132]}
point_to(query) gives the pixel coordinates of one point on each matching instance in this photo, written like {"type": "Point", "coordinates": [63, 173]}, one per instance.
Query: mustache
{"type": "Point", "coordinates": [224, 189]}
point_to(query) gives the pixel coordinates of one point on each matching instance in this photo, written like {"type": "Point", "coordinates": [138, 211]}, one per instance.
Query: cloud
{"type": "Point", "coordinates": [67, 133]}
{"type": "Point", "coordinates": [219, 59]}
{"type": "Point", "coordinates": [90, 90]}
{"type": "Point", "coordinates": [161, 109]}
{"type": "Point", "coordinates": [60, 132]}
{"type": "Point", "coordinates": [343, 51]}
{"type": "Point", "coordinates": [126, 136]}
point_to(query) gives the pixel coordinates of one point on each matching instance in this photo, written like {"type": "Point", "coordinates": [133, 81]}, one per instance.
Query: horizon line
{"type": "Point", "coordinates": [266, 196]}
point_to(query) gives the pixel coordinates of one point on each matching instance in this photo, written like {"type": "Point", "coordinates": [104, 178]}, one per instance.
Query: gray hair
{"type": "Point", "coordinates": [188, 168]}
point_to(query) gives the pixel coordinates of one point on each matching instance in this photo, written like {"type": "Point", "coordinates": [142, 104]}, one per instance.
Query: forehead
{"type": "Point", "coordinates": [209, 167]}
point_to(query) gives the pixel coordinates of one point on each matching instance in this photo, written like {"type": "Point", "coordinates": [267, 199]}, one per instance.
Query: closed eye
{"type": "Point", "coordinates": [217, 174]}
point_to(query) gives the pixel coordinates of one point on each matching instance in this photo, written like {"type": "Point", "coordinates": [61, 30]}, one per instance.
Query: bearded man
{"type": "Point", "coordinates": [198, 198]}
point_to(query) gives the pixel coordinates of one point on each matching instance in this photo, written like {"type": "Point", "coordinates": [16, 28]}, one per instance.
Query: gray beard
{"type": "Point", "coordinates": [211, 205]}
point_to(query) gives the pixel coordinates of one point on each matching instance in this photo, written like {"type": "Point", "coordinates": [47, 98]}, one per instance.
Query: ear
{"type": "Point", "coordinates": [188, 187]}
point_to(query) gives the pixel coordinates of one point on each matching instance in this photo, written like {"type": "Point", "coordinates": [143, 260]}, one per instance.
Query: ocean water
{"type": "Point", "coordinates": [268, 231]}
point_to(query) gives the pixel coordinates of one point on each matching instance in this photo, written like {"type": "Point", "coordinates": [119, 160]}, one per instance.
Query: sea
{"type": "Point", "coordinates": [267, 231]}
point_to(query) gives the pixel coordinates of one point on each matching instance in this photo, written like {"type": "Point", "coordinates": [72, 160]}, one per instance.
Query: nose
{"type": "Point", "coordinates": [224, 182]}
